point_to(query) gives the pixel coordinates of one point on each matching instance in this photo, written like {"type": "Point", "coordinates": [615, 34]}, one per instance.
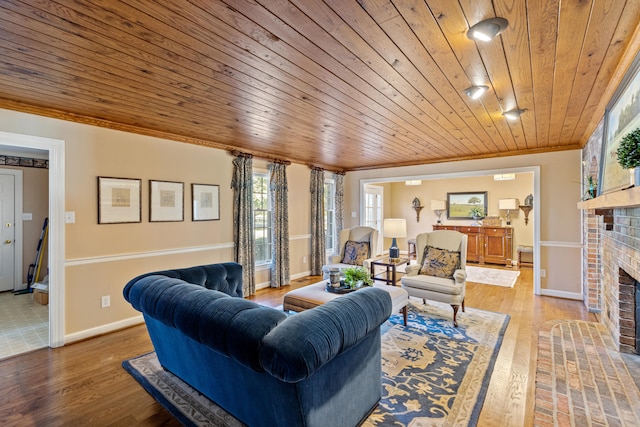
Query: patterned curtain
{"type": "Point", "coordinates": [339, 208]}
{"type": "Point", "coordinates": [317, 222]}
{"type": "Point", "coordinates": [242, 185]}
{"type": "Point", "coordinates": [280, 222]}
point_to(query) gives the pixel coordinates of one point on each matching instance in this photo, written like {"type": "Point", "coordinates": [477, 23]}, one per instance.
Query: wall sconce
{"type": "Point", "coordinates": [438, 206]}
{"type": "Point", "coordinates": [486, 30]}
{"type": "Point", "coordinates": [508, 205]}
{"type": "Point", "coordinates": [417, 207]}
{"type": "Point", "coordinates": [394, 228]}
{"type": "Point", "coordinates": [475, 92]}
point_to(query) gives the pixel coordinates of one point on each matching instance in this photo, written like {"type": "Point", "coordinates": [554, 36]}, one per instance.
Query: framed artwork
{"type": "Point", "coordinates": [119, 200]}
{"type": "Point", "coordinates": [166, 201]}
{"type": "Point", "coordinates": [459, 205]}
{"type": "Point", "coordinates": [205, 202]}
{"type": "Point", "coordinates": [621, 117]}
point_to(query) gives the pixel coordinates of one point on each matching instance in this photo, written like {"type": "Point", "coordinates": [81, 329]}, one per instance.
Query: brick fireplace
{"type": "Point", "coordinates": [612, 269]}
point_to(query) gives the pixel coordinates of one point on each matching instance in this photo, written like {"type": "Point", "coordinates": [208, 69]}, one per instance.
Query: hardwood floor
{"type": "Point", "coordinates": [84, 384]}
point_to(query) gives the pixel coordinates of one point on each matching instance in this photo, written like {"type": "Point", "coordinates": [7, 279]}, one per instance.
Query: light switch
{"type": "Point", "coordinates": [70, 217]}
{"type": "Point", "coordinates": [27, 216]}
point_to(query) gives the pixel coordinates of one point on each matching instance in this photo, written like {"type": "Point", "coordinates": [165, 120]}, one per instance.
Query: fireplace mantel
{"type": "Point", "coordinates": [618, 199]}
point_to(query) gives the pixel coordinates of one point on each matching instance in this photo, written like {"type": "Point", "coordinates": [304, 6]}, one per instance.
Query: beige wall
{"type": "Point", "coordinates": [100, 259]}
{"type": "Point", "coordinates": [560, 190]}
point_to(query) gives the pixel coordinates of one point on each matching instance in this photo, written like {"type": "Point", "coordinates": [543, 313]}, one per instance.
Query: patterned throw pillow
{"type": "Point", "coordinates": [355, 252]}
{"type": "Point", "coordinates": [439, 262]}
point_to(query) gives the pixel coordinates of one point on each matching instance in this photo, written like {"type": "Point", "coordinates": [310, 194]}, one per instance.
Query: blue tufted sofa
{"type": "Point", "coordinates": [321, 367]}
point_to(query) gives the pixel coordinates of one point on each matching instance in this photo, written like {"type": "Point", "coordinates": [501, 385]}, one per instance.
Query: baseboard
{"type": "Point", "coordinates": [293, 277]}
{"type": "Point", "coordinates": [561, 294]}
{"type": "Point", "coordinates": [104, 329]}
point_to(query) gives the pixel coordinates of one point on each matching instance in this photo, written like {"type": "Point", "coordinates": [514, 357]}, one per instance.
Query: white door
{"type": "Point", "coordinates": [373, 197]}
{"type": "Point", "coordinates": [7, 232]}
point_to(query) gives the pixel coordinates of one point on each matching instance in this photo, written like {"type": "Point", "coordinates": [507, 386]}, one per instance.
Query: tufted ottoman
{"type": "Point", "coordinates": [310, 296]}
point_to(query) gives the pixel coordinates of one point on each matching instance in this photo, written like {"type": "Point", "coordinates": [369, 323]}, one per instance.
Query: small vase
{"type": "Point", "coordinates": [635, 176]}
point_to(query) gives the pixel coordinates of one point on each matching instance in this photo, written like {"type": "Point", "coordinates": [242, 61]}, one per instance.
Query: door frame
{"type": "Point", "coordinates": [535, 170]}
{"type": "Point", "coordinates": [17, 225]}
{"type": "Point", "coordinates": [56, 234]}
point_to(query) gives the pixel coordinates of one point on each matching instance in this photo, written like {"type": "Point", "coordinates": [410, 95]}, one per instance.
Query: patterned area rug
{"type": "Point", "coordinates": [433, 374]}
{"type": "Point", "coordinates": [492, 276]}
{"type": "Point", "coordinates": [581, 378]}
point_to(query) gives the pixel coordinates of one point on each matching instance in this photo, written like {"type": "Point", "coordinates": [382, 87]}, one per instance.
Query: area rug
{"type": "Point", "coordinates": [582, 379]}
{"type": "Point", "coordinates": [492, 276]}
{"type": "Point", "coordinates": [433, 374]}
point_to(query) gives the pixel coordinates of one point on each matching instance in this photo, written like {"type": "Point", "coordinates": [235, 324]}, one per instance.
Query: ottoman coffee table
{"type": "Point", "coordinates": [310, 296]}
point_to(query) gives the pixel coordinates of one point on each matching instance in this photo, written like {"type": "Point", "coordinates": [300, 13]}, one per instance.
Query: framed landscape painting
{"type": "Point", "coordinates": [459, 205]}
{"type": "Point", "coordinates": [621, 117]}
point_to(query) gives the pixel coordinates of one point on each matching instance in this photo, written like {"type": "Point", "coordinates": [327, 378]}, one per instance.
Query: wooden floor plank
{"type": "Point", "coordinates": [84, 383]}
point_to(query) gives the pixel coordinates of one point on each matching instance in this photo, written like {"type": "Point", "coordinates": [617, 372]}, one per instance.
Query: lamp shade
{"type": "Point", "coordinates": [395, 227]}
{"type": "Point", "coordinates": [511, 204]}
{"type": "Point", "coordinates": [438, 205]}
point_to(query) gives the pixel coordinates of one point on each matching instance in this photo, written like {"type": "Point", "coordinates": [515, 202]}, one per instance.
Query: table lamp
{"type": "Point", "coordinates": [395, 227]}
{"type": "Point", "coordinates": [438, 206]}
{"type": "Point", "coordinates": [508, 205]}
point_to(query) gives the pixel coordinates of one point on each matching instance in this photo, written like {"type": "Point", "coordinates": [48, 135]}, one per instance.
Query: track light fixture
{"type": "Point", "coordinates": [486, 30]}
{"type": "Point", "coordinates": [513, 114]}
{"type": "Point", "coordinates": [475, 92]}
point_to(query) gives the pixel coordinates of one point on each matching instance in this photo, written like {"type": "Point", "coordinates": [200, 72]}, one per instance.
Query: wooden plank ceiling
{"type": "Point", "coordinates": [340, 84]}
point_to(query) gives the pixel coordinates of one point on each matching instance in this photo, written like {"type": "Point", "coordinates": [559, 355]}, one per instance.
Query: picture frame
{"type": "Point", "coordinates": [166, 201]}
{"type": "Point", "coordinates": [459, 204]}
{"type": "Point", "coordinates": [205, 202]}
{"type": "Point", "coordinates": [119, 200]}
{"type": "Point", "coordinates": [622, 115]}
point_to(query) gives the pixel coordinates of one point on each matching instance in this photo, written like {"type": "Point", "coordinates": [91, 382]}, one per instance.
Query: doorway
{"type": "Point", "coordinates": [56, 202]}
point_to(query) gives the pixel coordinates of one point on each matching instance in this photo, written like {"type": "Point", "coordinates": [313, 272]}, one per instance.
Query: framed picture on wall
{"type": "Point", "coordinates": [119, 200]}
{"type": "Point", "coordinates": [166, 201]}
{"type": "Point", "coordinates": [205, 199]}
{"type": "Point", "coordinates": [621, 117]}
{"type": "Point", "coordinates": [459, 205]}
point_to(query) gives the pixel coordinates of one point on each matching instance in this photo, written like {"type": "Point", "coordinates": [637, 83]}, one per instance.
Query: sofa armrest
{"type": "Point", "coordinates": [460, 276]}
{"type": "Point", "coordinates": [306, 341]}
{"type": "Point", "coordinates": [412, 270]}
{"type": "Point", "coordinates": [334, 259]}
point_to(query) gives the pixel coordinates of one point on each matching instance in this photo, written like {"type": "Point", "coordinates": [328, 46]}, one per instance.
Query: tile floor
{"type": "Point", "coordinates": [24, 324]}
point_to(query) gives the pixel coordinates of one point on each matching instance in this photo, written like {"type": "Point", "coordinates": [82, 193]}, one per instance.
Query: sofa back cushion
{"type": "Point", "coordinates": [225, 277]}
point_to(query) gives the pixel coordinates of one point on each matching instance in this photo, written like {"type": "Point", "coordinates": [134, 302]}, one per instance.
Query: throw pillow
{"type": "Point", "coordinates": [439, 262]}
{"type": "Point", "coordinates": [355, 252]}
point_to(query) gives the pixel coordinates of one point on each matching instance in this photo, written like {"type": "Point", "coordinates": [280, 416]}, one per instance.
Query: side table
{"type": "Point", "coordinates": [390, 275]}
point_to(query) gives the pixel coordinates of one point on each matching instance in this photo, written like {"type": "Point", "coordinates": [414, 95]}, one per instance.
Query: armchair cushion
{"type": "Point", "coordinates": [355, 252]}
{"type": "Point", "coordinates": [439, 262]}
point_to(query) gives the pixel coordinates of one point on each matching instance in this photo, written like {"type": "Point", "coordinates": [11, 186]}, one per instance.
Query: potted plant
{"type": "Point", "coordinates": [355, 277]}
{"type": "Point", "coordinates": [628, 153]}
{"type": "Point", "coordinates": [477, 212]}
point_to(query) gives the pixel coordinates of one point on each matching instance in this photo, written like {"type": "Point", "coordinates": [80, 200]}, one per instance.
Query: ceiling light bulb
{"type": "Point", "coordinates": [486, 30]}
{"type": "Point", "coordinates": [513, 114]}
{"type": "Point", "coordinates": [475, 92]}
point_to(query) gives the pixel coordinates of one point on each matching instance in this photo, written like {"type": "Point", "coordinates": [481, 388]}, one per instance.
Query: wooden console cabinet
{"type": "Point", "coordinates": [492, 245]}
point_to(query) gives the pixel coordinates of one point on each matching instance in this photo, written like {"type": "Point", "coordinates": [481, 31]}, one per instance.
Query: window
{"type": "Point", "coordinates": [261, 218]}
{"type": "Point", "coordinates": [330, 215]}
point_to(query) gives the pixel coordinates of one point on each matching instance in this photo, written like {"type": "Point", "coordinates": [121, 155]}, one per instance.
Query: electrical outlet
{"type": "Point", "coordinates": [106, 301]}
{"type": "Point", "coordinates": [304, 259]}
{"type": "Point", "coordinates": [543, 273]}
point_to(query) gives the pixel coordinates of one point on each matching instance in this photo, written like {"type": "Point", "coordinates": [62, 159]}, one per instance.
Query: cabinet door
{"type": "Point", "coordinates": [497, 244]}
{"type": "Point", "coordinates": [474, 244]}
